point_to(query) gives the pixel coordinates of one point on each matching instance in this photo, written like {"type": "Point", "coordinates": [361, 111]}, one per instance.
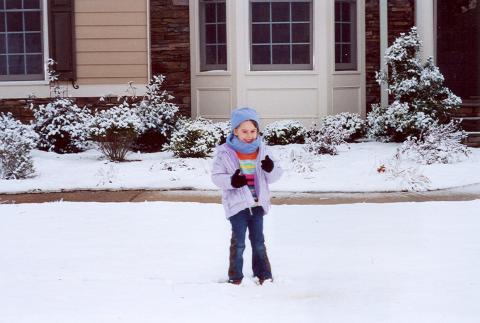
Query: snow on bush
{"type": "Point", "coordinates": [325, 140]}
{"type": "Point", "coordinates": [438, 144]}
{"type": "Point", "coordinates": [410, 177]}
{"type": "Point", "coordinates": [352, 123]}
{"type": "Point", "coordinates": [62, 126]}
{"type": "Point", "coordinates": [284, 132]}
{"type": "Point", "coordinates": [420, 99]}
{"type": "Point", "coordinates": [115, 130]}
{"type": "Point", "coordinates": [158, 116]}
{"type": "Point", "coordinates": [297, 159]}
{"type": "Point", "coordinates": [16, 142]}
{"type": "Point", "coordinates": [193, 138]}
{"type": "Point", "coordinates": [223, 129]}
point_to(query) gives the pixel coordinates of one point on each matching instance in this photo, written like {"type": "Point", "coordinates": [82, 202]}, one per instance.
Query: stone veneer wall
{"type": "Point", "coordinates": [401, 17]}
{"type": "Point", "coordinates": [170, 48]}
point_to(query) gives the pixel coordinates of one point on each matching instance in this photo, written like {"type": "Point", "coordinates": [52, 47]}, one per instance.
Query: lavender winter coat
{"type": "Point", "coordinates": [234, 199]}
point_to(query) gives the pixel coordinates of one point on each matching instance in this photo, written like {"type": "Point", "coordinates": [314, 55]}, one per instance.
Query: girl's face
{"type": "Point", "coordinates": [246, 131]}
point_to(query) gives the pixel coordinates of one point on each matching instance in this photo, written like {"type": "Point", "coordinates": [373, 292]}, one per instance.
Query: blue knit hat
{"type": "Point", "coordinates": [240, 115]}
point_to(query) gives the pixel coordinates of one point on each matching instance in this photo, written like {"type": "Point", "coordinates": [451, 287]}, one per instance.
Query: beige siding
{"type": "Point", "coordinates": [111, 41]}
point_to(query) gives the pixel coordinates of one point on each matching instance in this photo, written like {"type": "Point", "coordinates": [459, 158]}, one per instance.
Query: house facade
{"type": "Point", "coordinates": [289, 59]}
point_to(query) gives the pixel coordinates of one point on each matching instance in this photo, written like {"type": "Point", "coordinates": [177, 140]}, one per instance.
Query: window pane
{"type": "Point", "coordinates": [346, 11]}
{"type": "Point", "coordinates": [31, 4]}
{"type": "Point", "coordinates": [260, 54]}
{"type": "Point", "coordinates": [2, 21]}
{"type": "Point", "coordinates": [14, 4]}
{"type": "Point", "coordinates": [33, 43]}
{"type": "Point", "coordinates": [281, 54]}
{"type": "Point", "coordinates": [14, 21]}
{"type": "Point", "coordinates": [16, 64]}
{"type": "Point", "coordinates": [300, 11]}
{"type": "Point", "coordinates": [260, 12]}
{"type": "Point", "coordinates": [210, 15]}
{"type": "Point", "coordinates": [221, 12]}
{"type": "Point", "coordinates": [338, 34]}
{"type": "Point", "coordinates": [260, 33]}
{"type": "Point", "coordinates": [338, 9]}
{"type": "Point", "coordinates": [3, 65]}
{"type": "Point", "coordinates": [3, 47]}
{"type": "Point", "coordinates": [346, 54]}
{"type": "Point", "coordinates": [211, 34]}
{"type": "Point", "coordinates": [301, 54]}
{"type": "Point", "coordinates": [338, 53]}
{"type": "Point", "coordinates": [32, 21]}
{"type": "Point", "coordinates": [300, 33]}
{"type": "Point", "coordinates": [280, 11]}
{"type": "Point", "coordinates": [34, 64]}
{"type": "Point", "coordinates": [211, 55]}
{"type": "Point", "coordinates": [281, 33]}
{"type": "Point", "coordinates": [2, 4]}
{"type": "Point", "coordinates": [222, 54]}
{"type": "Point", "coordinates": [346, 33]}
{"type": "Point", "coordinates": [15, 43]}
{"type": "Point", "coordinates": [222, 33]}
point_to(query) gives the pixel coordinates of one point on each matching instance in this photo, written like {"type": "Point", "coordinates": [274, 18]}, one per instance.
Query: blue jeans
{"type": "Point", "coordinates": [260, 263]}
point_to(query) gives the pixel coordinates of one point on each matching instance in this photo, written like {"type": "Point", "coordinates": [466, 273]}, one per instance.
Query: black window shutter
{"type": "Point", "coordinates": [61, 37]}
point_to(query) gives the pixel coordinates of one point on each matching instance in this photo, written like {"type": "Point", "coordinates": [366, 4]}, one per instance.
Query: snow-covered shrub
{"type": "Point", "coordinates": [284, 132]}
{"type": "Point", "coordinates": [409, 177]}
{"type": "Point", "coordinates": [419, 97]}
{"type": "Point", "coordinates": [116, 129]}
{"type": "Point", "coordinates": [352, 123]}
{"type": "Point", "coordinates": [158, 116]}
{"type": "Point", "coordinates": [16, 142]}
{"type": "Point", "coordinates": [298, 159]}
{"type": "Point", "coordinates": [438, 144]}
{"type": "Point", "coordinates": [223, 129]}
{"type": "Point", "coordinates": [193, 138]}
{"type": "Point", "coordinates": [325, 140]}
{"type": "Point", "coordinates": [62, 126]}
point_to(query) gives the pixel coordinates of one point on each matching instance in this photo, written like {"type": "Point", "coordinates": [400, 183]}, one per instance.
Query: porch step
{"type": "Point", "coordinates": [469, 124]}
{"type": "Point", "coordinates": [473, 139]}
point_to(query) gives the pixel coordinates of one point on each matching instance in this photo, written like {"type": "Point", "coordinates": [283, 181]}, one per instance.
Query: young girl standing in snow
{"type": "Point", "coordinates": [243, 169]}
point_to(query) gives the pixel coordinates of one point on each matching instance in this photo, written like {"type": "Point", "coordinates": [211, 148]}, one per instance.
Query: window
{"type": "Point", "coordinates": [345, 35]}
{"type": "Point", "coordinates": [281, 35]}
{"type": "Point", "coordinates": [21, 40]}
{"type": "Point", "coordinates": [213, 35]}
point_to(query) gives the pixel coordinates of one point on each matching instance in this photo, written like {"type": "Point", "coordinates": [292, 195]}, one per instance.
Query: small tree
{"type": "Point", "coordinates": [158, 116]}
{"type": "Point", "coordinates": [420, 99]}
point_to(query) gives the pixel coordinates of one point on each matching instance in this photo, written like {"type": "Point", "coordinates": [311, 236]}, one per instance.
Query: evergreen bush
{"type": "Point", "coordinates": [420, 99]}
{"type": "Point", "coordinates": [16, 142]}
{"type": "Point", "coordinates": [194, 138]}
{"type": "Point", "coordinates": [285, 132]}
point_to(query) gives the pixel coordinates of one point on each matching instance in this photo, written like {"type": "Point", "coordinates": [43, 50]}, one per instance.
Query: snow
{"type": "Point", "coordinates": [354, 169]}
{"type": "Point", "coordinates": [161, 262]}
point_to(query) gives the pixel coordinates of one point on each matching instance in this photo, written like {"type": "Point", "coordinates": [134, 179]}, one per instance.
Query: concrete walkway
{"type": "Point", "coordinates": [465, 193]}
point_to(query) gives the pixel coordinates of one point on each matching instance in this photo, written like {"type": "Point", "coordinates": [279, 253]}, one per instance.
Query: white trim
{"type": "Point", "coordinates": [383, 48]}
{"type": "Point", "coordinates": [424, 20]}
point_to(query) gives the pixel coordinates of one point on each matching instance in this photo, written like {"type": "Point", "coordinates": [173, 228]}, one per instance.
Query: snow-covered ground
{"type": "Point", "coordinates": [354, 169]}
{"type": "Point", "coordinates": [162, 262]}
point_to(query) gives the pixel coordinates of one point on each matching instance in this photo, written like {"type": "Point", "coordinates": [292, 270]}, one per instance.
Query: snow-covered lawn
{"type": "Point", "coordinates": [354, 169]}
{"type": "Point", "coordinates": [162, 262]}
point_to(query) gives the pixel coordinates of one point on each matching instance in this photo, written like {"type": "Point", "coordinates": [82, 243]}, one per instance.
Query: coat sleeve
{"type": "Point", "coordinates": [276, 172]}
{"type": "Point", "coordinates": [220, 176]}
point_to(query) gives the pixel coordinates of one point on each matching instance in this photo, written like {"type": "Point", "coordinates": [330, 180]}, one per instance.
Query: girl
{"type": "Point", "coordinates": [243, 170]}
